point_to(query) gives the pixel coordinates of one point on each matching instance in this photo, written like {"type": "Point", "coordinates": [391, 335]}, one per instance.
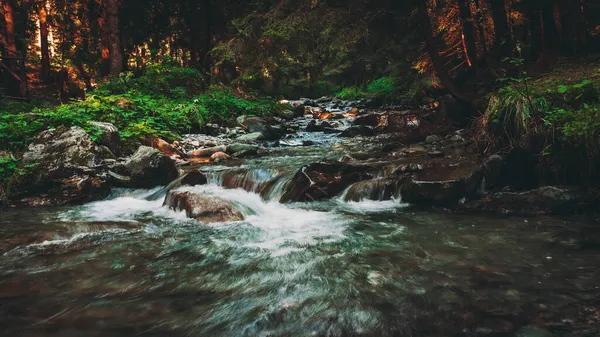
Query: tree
{"type": "Point", "coordinates": [45, 50]}
{"type": "Point", "coordinates": [468, 31]}
{"type": "Point", "coordinates": [111, 10]}
{"type": "Point", "coordinates": [433, 51]}
{"type": "Point", "coordinates": [502, 36]}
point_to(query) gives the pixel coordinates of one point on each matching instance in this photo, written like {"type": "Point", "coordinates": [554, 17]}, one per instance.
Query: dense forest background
{"type": "Point", "coordinates": [299, 48]}
{"type": "Point", "coordinates": [524, 73]}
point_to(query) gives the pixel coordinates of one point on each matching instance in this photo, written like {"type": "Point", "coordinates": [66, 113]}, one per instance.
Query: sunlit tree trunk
{"type": "Point", "coordinates": [15, 77]}
{"type": "Point", "coordinates": [45, 50]}
{"type": "Point", "coordinates": [432, 49]}
{"type": "Point", "coordinates": [468, 31]}
{"type": "Point", "coordinates": [114, 40]}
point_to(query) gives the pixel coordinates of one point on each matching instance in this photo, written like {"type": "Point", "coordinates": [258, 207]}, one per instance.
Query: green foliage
{"type": "Point", "coordinates": [141, 108]}
{"type": "Point", "coordinates": [165, 78]}
{"type": "Point", "coordinates": [381, 88]}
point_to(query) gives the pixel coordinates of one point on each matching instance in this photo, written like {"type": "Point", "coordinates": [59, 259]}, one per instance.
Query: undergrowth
{"type": "Point", "coordinates": [556, 116]}
{"type": "Point", "coordinates": [165, 102]}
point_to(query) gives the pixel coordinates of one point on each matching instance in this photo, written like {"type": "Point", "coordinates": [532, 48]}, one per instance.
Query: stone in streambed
{"type": "Point", "coordinates": [375, 189]}
{"type": "Point", "coordinates": [219, 157]}
{"type": "Point", "coordinates": [368, 120]}
{"type": "Point", "coordinates": [358, 130]}
{"type": "Point", "coordinates": [445, 186]}
{"type": "Point", "coordinates": [149, 168]}
{"type": "Point", "coordinates": [205, 208]}
{"type": "Point", "coordinates": [61, 166]}
{"type": "Point", "coordinates": [166, 148]}
{"type": "Point", "coordinates": [207, 152]}
{"type": "Point", "coordinates": [323, 180]}
{"type": "Point", "coordinates": [542, 201]}
{"type": "Point", "coordinates": [251, 137]}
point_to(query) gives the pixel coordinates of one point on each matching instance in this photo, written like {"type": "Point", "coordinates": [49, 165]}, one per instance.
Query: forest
{"type": "Point", "coordinates": [335, 168]}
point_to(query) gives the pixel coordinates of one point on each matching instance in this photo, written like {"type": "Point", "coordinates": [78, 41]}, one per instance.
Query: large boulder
{"type": "Point", "coordinates": [541, 201]}
{"type": "Point", "coordinates": [149, 168]}
{"type": "Point", "coordinates": [323, 180]}
{"type": "Point", "coordinates": [204, 208]}
{"type": "Point", "coordinates": [299, 109]}
{"type": "Point", "coordinates": [61, 166]}
{"type": "Point", "coordinates": [109, 137]}
{"type": "Point", "coordinates": [251, 137]}
{"type": "Point", "coordinates": [444, 186]}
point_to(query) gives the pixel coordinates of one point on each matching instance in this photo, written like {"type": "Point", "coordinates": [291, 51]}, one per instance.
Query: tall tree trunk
{"type": "Point", "coordinates": [550, 32]}
{"type": "Point", "coordinates": [468, 31]}
{"type": "Point", "coordinates": [45, 50]}
{"type": "Point", "coordinates": [208, 12]}
{"type": "Point", "coordinates": [432, 50]}
{"type": "Point", "coordinates": [502, 39]}
{"type": "Point", "coordinates": [113, 36]}
{"type": "Point", "coordinates": [480, 27]}
{"type": "Point", "coordinates": [104, 50]}
{"type": "Point", "coordinates": [15, 76]}
{"type": "Point", "coordinates": [9, 22]}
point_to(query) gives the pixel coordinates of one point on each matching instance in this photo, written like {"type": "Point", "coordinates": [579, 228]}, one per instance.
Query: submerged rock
{"type": "Point", "coordinates": [542, 201]}
{"type": "Point", "coordinates": [323, 180]}
{"type": "Point", "coordinates": [204, 208]}
{"type": "Point", "coordinates": [61, 166]}
{"type": "Point", "coordinates": [446, 186]}
{"type": "Point", "coordinates": [149, 168]}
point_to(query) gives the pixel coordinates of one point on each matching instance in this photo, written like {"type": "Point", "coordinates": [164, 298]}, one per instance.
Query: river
{"type": "Point", "coordinates": [129, 266]}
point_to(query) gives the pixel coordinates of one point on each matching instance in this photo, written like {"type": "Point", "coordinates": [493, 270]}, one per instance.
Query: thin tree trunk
{"type": "Point", "coordinates": [468, 31]}
{"type": "Point", "coordinates": [502, 38]}
{"type": "Point", "coordinates": [113, 36]}
{"type": "Point", "coordinates": [432, 50]}
{"type": "Point", "coordinates": [45, 50]}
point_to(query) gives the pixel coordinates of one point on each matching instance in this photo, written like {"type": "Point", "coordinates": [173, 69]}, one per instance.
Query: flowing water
{"type": "Point", "coordinates": [129, 266]}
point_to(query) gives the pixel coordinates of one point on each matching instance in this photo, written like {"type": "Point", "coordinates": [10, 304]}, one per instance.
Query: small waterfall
{"type": "Point", "coordinates": [379, 189]}
{"type": "Point", "coordinates": [268, 183]}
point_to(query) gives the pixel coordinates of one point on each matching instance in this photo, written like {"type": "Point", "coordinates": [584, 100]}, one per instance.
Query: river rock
{"type": "Point", "coordinates": [542, 201]}
{"type": "Point", "coordinates": [149, 168]}
{"type": "Point", "coordinates": [358, 130]}
{"type": "Point", "coordinates": [251, 137]}
{"type": "Point", "coordinates": [166, 148]}
{"type": "Point", "coordinates": [445, 186]}
{"type": "Point", "coordinates": [323, 180]}
{"type": "Point", "coordinates": [374, 189]}
{"type": "Point", "coordinates": [61, 166]}
{"type": "Point", "coordinates": [207, 152]}
{"type": "Point", "coordinates": [219, 157]}
{"type": "Point", "coordinates": [368, 120]}
{"type": "Point", "coordinates": [194, 178]}
{"type": "Point", "coordinates": [314, 126]}
{"type": "Point", "coordinates": [110, 137]}
{"type": "Point", "coordinates": [287, 114]}
{"type": "Point", "coordinates": [260, 125]}
{"type": "Point", "coordinates": [205, 208]}
{"type": "Point", "coordinates": [299, 110]}
{"type": "Point", "coordinates": [494, 171]}
{"type": "Point", "coordinates": [237, 147]}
